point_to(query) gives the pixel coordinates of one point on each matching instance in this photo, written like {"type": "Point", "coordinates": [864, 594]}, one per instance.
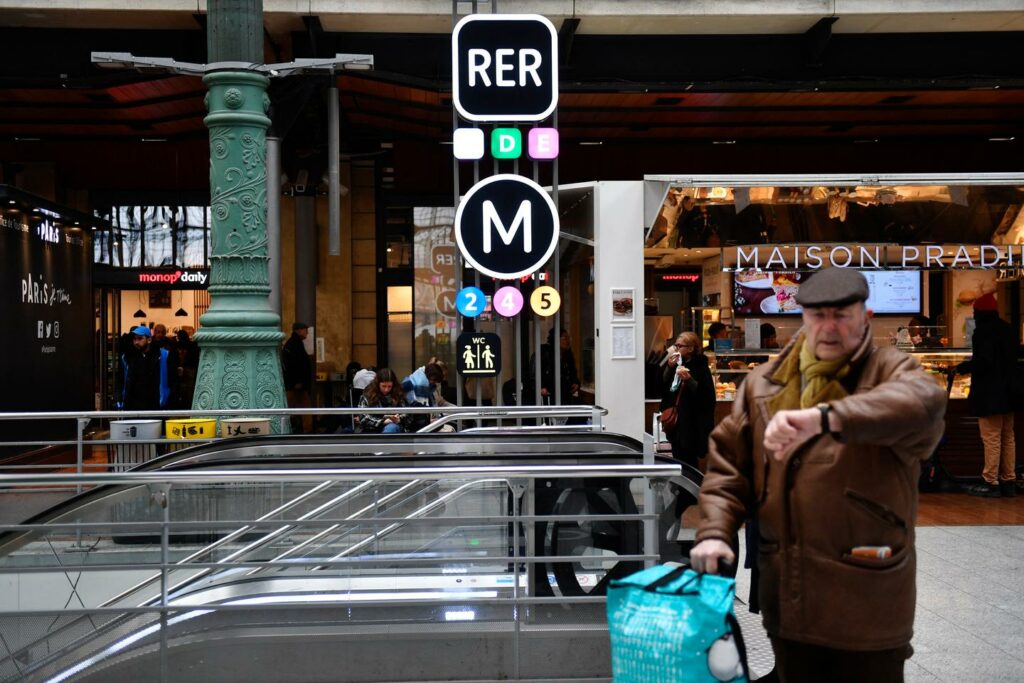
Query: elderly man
{"type": "Point", "coordinates": [824, 444]}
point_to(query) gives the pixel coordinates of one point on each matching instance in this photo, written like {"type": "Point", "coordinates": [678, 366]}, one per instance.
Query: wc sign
{"type": "Point", "coordinates": [504, 67]}
{"type": "Point", "coordinates": [506, 226]}
{"type": "Point", "coordinates": [478, 353]}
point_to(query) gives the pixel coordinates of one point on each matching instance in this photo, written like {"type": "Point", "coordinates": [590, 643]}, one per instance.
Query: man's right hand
{"type": "Point", "coordinates": [706, 555]}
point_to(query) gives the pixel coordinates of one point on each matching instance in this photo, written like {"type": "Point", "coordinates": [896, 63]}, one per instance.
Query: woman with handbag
{"type": "Point", "coordinates": [688, 400]}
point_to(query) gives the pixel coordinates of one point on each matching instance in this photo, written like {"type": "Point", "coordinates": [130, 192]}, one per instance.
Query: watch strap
{"type": "Point", "coordinates": [825, 409]}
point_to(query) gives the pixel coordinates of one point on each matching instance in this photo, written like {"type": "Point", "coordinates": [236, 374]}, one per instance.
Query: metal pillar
{"type": "Point", "coordinates": [305, 259]}
{"type": "Point", "coordinates": [333, 173]}
{"type": "Point", "coordinates": [274, 220]}
{"type": "Point", "coordinates": [239, 365]}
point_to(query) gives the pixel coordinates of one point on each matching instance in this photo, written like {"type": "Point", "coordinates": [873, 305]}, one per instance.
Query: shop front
{"type": "Point", "coordinates": [929, 247]}
{"type": "Point", "coordinates": [151, 268]}
{"type": "Point", "coordinates": [46, 309]}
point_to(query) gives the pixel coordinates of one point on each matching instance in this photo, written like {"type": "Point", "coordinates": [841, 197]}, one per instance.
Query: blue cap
{"type": "Point", "coordinates": [142, 331]}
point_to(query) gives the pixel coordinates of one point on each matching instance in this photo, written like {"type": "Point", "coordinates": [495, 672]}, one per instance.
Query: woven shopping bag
{"type": "Point", "coordinates": [672, 625]}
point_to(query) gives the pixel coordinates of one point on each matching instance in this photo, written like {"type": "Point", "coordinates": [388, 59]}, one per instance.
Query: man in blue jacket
{"type": "Point", "coordinates": [146, 374]}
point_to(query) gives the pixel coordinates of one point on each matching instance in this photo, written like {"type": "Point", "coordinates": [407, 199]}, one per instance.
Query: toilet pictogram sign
{"type": "Point", "coordinates": [505, 67]}
{"type": "Point", "coordinates": [506, 226]}
{"type": "Point", "coordinates": [478, 353]}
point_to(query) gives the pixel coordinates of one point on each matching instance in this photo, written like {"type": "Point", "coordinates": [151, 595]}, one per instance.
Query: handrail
{"type": "Point", "coordinates": [216, 476]}
{"type": "Point", "coordinates": [485, 411]}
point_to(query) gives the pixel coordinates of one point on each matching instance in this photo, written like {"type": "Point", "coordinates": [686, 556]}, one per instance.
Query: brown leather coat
{"type": "Point", "coordinates": [829, 496]}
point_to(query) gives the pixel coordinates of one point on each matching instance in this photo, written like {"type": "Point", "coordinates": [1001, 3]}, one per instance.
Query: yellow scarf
{"type": "Point", "coordinates": [820, 378]}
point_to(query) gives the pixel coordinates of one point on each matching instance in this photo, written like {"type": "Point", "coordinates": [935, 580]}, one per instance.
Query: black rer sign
{"type": "Point", "coordinates": [504, 67]}
{"type": "Point", "coordinates": [506, 226]}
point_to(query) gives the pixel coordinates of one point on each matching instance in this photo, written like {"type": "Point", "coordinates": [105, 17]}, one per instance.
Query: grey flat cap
{"type": "Point", "coordinates": [833, 287]}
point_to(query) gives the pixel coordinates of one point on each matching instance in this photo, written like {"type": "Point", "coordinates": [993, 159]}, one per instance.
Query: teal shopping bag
{"type": "Point", "coordinates": [672, 625]}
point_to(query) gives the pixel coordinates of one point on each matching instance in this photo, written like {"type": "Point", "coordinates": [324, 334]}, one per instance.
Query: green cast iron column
{"type": "Point", "coordinates": [239, 365]}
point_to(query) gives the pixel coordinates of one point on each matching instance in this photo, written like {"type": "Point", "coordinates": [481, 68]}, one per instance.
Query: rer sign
{"type": "Point", "coordinates": [504, 67]}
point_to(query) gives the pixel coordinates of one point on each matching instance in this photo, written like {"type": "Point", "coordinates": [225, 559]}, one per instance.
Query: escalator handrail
{"type": "Point", "coordinates": [223, 476]}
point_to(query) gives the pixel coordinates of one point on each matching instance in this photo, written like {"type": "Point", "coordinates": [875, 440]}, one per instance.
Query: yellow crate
{"type": "Point", "coordinates": [192, 428]}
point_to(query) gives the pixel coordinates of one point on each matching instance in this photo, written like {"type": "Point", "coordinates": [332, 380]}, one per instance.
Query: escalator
{"type": "Point", "coordinates": [337, 573]}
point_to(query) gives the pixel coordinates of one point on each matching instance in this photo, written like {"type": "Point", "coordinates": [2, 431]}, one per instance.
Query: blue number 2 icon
{"type": "Point", "coordinates": [470, 302]}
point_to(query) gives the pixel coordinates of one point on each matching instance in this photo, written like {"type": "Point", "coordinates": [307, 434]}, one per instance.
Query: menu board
{"type": "Point", "coordinates": [774, 293]}
{"type": "Point", "coordinates": [894, 291]}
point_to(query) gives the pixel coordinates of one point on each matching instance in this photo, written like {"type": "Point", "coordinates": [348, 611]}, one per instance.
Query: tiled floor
{"type": "Point", "coordinates": [970, 605]}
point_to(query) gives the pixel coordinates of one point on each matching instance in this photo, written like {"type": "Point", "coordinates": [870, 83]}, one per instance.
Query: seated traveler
{"type": "Point", "coordinates": [384, 392]}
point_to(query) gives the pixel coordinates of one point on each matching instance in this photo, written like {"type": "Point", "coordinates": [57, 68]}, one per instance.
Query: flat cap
{"type": "Point", "coordinates": [833, 287]}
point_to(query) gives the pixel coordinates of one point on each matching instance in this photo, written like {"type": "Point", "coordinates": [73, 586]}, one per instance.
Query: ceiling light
{"type": "Point", "coordinates": [723, 142]}
{"type": "Point", "coordinates": [139, 314]}
{"type": "Point", "coordinates": [181, 313]}
{"type": "Point", "coordinates": [1006, 139]}
{"type": "Point", "coordinates": [591, 143]}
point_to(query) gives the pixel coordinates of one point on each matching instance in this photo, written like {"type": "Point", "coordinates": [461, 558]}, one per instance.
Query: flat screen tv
{"type": "Point", "coordinates": [757, 293]}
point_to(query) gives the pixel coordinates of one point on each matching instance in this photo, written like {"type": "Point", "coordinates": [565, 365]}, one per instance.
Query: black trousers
{"type": "Point", "coordinates": [799, 663]}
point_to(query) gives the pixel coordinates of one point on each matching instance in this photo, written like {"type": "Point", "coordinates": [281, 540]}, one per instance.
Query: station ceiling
{"type": "Point", "coordinates": [940, 79]}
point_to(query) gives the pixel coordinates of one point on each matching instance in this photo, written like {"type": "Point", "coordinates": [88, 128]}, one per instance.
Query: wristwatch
{"type": "Point", "coordinates": [825, 409]}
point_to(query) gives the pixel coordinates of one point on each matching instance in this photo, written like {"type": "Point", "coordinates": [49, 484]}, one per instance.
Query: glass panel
{"type": "Point", "coordinates": [434, 282]}
{"type": "Point", "coordinates": [127, 243]}
{"type": "Point", "coordinates": [101, 246]}
{"type": "Point", "coordinates": [191, 238]}
{"type": "Point", "coordinates": [400, 329]}
{"type": "Point", "coordinates": [158, 222]}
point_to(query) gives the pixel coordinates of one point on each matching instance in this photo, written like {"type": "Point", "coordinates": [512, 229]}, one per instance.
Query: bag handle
{"type": "Point", "coordinates": [669, 578]}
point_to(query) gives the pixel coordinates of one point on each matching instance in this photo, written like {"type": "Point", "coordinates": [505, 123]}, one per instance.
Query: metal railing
{"type": "Point", "coordinates": [393, 542]}
{"type": "Point", "coordinates": [442, 416]}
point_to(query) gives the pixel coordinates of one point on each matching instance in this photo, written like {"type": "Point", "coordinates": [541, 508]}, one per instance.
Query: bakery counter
{"type": "Point", "coordinates": [961, 450]}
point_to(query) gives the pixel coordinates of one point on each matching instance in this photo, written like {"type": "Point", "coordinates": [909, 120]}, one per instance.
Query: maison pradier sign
{"type": "Point", "coordinates": [875, 256]}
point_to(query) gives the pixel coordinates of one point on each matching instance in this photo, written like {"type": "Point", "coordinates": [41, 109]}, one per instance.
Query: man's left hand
{"type": "Point", "coordinates": [790, 429]}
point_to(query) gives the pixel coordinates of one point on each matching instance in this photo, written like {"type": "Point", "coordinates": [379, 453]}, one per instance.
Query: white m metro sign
{"type": "Point", "coordinates": [522, 216]}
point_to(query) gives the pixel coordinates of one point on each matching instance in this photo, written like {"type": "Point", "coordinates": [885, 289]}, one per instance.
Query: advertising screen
{"type": "Point", "coordinates": [46, 306]}
{"type": "Point", "coordinates": [757, 293]}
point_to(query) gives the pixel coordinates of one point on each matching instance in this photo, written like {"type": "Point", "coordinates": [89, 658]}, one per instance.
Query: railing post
{"type": "Point", "coordinates": [518, 487]}
{"type": "Point", "coordinates": [79, 446]}
{"type": "Point", "coordinates": [162, 495]}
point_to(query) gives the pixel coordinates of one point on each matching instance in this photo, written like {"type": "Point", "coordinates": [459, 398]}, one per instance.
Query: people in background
{"type": "Point", "coordinates": [716, 331]}
{"type": "Point", "coordinates": [824, 443]}
{"type": "Point", "coordinates": [769, 339]}
{"type": "Point", "coordinates": [421, 391]}
{"type": "Point", "coordinates": [922, 333]}
{"type": "Point", "coordinates": [298, 373]}
{"type": "Point", "coordinates": [161, 340]}
{"type": "Point", "coordinates": [384, 392]}
{"type": "Point", "coordinates": [688, 385]}
{"type": "Point", "coordinates": [147, 380]}
{"type": "Point", "coordinates": [992, 367]}
{"type": "Point", "coordinates": [187, 368]}
{"type": "Point", "coordinates": [570, 379]}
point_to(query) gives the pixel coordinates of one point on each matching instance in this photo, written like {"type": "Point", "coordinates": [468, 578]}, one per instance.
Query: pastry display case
{"type": "Point", "coordinates": [730, 367]}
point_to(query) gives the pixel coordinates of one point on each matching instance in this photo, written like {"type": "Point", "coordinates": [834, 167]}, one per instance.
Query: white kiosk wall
{"type": "Point", "coordinates": [619, 275]}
